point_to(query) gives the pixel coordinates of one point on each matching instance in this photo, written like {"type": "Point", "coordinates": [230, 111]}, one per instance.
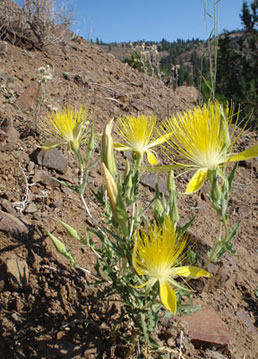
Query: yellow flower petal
{"type": "Point", "coordinates": [248, 154]}
{"type": "Point", "coordinates": [203, 138]}
{"type": "Point", "coordinates": [152, 158]}
{"type": "Point", "coordinates": [69, 125]}
{"type": "Point", "coordinates": [120, 147]}
{"type": "Point", "coordinates": [139, 135]}
{"type": "Point", "coordinates": [197, 180]}
{"type": "Point", "coordinates": [161, 139]}
{"type": "Point", "coordinates": [168, 296]}
{"type": "Point", "coordinates": [148, 283]}
{"type": "Point", "coordinates": [158, 254]}
{"type": "Point", "coordinates": [190, 271]}
{"type": "Point", "coordinates": [135, 261]}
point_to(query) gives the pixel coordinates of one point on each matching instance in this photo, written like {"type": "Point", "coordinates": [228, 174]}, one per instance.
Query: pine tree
{"type": "Point", "coordinates": [249, 20]}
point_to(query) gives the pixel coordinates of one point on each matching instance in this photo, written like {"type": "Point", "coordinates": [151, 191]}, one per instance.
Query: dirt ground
{"type": "Point", "coordinates": [47, 308]}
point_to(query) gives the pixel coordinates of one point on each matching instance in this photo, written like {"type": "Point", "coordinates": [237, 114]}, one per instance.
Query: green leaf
{"type": "Point", "coordinates": [141, 213]}
{"type": "Point", "coordinates": [182, 298]}
{"type": "Point", "coordinates": [232, 175]}
{"type": "Point", "coordinates": [91, 145]}
{"type": "Point", "coordinates": [227, 246]}
{"type": "Point", "coordinates": [192, 256]}
{"type": "Point", "coordinates": [115, 246]}
{"type": "Point", "coordinates": [100, 195]}
{"type": "Point", "coordinates": [66, 184]}
{"type": "Point", "coordinates": [182, 230]}
{"type": "Point", "coordinates": [146, 332]}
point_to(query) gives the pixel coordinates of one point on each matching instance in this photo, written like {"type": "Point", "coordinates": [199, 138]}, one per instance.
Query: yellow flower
{"type": "Point", "coordinates": [202, 137]}
{"type": "Point", "coordinates": [158, 254]}
{"type": "Point", "coordinates": [138, 134]}
{"type": "Point", "coordinates": [66, 127]}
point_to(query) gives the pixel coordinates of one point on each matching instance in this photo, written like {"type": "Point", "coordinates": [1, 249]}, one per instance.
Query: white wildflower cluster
{"type": "Point", "coordinates": [148, 53]}
{"type": "Point", "coordinates": [175, 73]}
{"type": "Point", "coordinates": [46, 74]}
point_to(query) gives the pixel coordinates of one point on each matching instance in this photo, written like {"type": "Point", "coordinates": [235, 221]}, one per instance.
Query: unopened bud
{"type": "Point", "coordinates": [70, 230]}
{"type": "Point", "coordinates": [111, 187]}
{"type": "Point", "coordinates": [171, 185]}
{"type": "Point", "coordinates": [107, 148]}
{"type": "Point", "coordinates": [158, 209]}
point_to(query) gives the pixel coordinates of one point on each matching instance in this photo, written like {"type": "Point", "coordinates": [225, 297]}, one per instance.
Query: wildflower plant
{"type": "Point", "coordinates": [45, 75]}
{"type": "Point", "coordinates": [202, 141]}
{"type": "Point", "coordinates": [143, 256]}
{"type": "Point", "coordinates": [142, 252]}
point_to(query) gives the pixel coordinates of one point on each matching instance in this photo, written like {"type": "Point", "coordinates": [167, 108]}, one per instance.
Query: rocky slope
{"type": "Point", "coordinates": [47, 308]}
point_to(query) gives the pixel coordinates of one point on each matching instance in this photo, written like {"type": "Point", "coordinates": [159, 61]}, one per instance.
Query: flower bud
{"type": "Point", "coordinates": [159, 211]}
{"type": "Point", "coordinates": [111, 187]}
{"type": "Point", "coordinates": [107, 149]}
{"type": "Point", "coordinates": [173, 209]}
{"type": "Point", "coordinates": [127, 182]}
{"type": "Point", "coordinates": [171, 185]}
{"type": "Point", "coordinates": [70, 230]}
{"type": "Point", "coordinates": [116, 202]}
{"type": "Point", "coordinates": [215, 194]}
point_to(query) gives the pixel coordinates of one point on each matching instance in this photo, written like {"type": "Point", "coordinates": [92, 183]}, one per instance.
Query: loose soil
{"type": "Point", "coordinates": [52, 312]}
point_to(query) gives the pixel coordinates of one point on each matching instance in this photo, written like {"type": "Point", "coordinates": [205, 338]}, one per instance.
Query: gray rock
{"type": "Point", "coordinates": [9, 223]}
{"type": "Point", "coordinates": [7, 205]}
{"type": "Point", "coordinates": [52, 159]}
{"type": "Point", "coordinates": [44, 178]}
{"type": "Point", "coordinates": [15, 273]}
{"type": "Point", "coordinates": [31, 166]}
{"type": "Point", "coordinates": [31, 208]}
{"type": "Point", "coordinates": [245, 318]}
{"type": "Point", "coordinates": [149, 180]}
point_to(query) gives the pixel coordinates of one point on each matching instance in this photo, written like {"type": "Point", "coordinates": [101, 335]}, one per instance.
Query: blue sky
{"type": "Point", "coordinates": [132, 20]}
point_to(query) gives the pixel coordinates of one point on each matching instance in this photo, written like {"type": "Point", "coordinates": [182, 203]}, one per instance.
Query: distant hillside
{"type": "Point", "coordinates": [187, 62]}
{"type": "Point", "coordinates": [191, 55]}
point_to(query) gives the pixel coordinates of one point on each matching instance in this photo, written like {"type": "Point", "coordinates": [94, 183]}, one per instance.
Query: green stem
{"type": "Point", "coordinates": [219, 242]}
{"type": "Point", "coordinates": [83, 181]}
{"type": "Point", "coordinates": [133, 220]}
{"type": "Point", "coordinates": [80, 161]}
